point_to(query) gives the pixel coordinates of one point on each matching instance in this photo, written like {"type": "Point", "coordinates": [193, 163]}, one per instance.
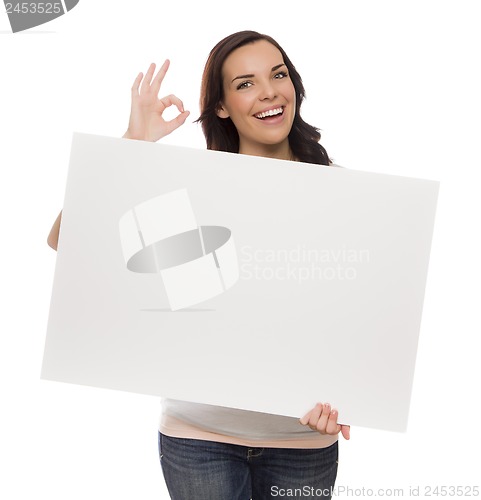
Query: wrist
{"type": "Point", "coordinates": [129, 135]}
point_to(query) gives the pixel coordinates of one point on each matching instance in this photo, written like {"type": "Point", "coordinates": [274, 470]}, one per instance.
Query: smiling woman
{"type": "Point", "coordinates": [250, 102]}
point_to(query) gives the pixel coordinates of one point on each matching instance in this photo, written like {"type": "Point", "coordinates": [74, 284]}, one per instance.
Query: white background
{"type": "Point", "coordinates": [394, 87]}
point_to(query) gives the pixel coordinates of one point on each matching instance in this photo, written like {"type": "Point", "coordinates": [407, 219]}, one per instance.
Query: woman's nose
{"type": "Point", "coordinates": [267, 91]}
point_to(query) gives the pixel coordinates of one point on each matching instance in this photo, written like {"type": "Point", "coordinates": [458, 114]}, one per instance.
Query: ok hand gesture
{"type": "Point", "coordinates": [146, 122]}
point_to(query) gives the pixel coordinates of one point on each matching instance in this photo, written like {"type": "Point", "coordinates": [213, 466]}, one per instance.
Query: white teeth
{"type": "Point", "coordinates": [271, 112]}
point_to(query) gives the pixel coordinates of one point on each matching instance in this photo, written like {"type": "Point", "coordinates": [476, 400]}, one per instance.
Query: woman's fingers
{"type": "Point", "coordinates": [314, 416]}
{"type": "Point", "coordinates": [172, 100]}
{"type": "Point", "coordinates": [332, 427]}
{"type": "Point", "coordinates": [151, 87]}
{"type": "Point", "coordinates": [136, 84]}
{"type": "Point", "coordinates": [159, 77]}
{"type": "Point", "coordinates": [147, 83]}
{"type": "Point", "coordinates": [305, 419]}
{"type": "Point", "coordinates": [147, 79]}
{"type": "Point", "coordinates": [323, 419]}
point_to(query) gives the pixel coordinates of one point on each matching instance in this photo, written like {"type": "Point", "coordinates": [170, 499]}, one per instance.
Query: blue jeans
{"type": "Point", "coordinates": [206, 470]}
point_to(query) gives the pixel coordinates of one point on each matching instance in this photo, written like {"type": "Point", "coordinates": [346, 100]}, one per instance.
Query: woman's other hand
{"type": "Point", "coordinates": [324, 420]}
{"type": "Point", "coordinates": [146, 122]}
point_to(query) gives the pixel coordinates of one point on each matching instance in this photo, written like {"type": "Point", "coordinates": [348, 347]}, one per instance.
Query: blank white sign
{"type": "Point", "coordinates": [298, 283]}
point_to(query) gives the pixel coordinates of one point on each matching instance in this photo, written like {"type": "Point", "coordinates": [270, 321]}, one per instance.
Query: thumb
{"type": "Point", "coordinates": [178, 120]}
{"type": "Point", "coordinates": [346, 431]}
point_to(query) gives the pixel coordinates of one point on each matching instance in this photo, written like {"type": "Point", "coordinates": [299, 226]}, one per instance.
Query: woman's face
{"type": "Point", "coordinates": [260, 99]}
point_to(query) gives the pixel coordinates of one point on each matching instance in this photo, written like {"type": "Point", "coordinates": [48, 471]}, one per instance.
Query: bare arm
{"type": "Point", "coordinates": [52, 239]}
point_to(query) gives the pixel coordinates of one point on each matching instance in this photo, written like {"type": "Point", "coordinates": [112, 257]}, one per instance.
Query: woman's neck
{"type": "Point", "coordinates": [276, 151]}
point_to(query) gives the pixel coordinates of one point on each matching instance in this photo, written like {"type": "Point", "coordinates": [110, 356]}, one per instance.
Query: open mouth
{"type": "Point", "coordinates": [270, 113]}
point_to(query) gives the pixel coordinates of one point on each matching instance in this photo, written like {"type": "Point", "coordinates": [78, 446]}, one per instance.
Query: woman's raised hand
{"type": "Point", "coordinates": [324, 420]}
{"type": "Point", "coordinates": [146, 122]}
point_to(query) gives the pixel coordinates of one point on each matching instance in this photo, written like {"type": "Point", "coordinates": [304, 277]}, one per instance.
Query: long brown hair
{"type": "Point", "coordinates": [221, 134]}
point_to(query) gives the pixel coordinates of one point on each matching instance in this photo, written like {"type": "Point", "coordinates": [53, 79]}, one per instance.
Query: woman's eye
{"type": "Point", "coordinates": [244, 85]}
{"type": "Point", "coordinates": [281, 74]}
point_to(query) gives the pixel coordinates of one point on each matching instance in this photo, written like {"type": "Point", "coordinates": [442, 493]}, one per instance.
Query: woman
{"type": "Point", "coordinates": [250, 104]}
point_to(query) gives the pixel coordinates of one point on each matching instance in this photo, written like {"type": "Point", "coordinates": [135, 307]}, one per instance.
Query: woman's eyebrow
{"type": "Point", "coordinates": [252, 75]}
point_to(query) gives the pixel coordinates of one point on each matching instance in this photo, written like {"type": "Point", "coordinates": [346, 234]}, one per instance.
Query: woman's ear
{"type": "Point", "coordinates": [222, 112]}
